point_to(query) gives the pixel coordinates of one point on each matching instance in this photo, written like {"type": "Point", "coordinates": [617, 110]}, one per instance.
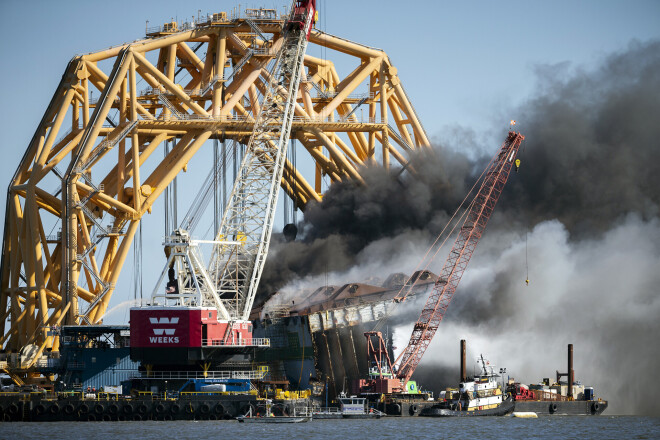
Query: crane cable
{"type": "Point", "coordinates": [399, 297]}
{"type": "Point", "coordinates": [526, 262]}
{"type": "Point", "coordinates": [517, 165]}
{"type": "Point", "coordinates": [410, 287]}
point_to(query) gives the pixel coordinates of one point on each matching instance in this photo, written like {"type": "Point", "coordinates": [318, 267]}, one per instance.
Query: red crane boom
{"type": "Point", "coordinates": [480, 210]}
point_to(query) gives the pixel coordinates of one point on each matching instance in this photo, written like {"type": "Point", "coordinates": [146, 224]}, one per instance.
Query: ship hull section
{"type": "Point", "coordinates": [439, 411]}
{"type": "Point", "coordinates": [571, 408]}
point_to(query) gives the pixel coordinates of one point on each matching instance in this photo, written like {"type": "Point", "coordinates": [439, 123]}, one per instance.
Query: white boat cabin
{"type": "Point", "coordinates": [352, 404]}
{"type": "Point", "coordinates": [483, 392]}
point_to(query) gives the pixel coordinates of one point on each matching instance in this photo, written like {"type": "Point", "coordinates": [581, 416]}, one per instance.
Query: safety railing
{"type": "Point", "coordinates": [206, 87]}
{"type": "Point", "coordinates": [75, 365]}
{"type": "Point", "coordinates": [93, 100]}
{"type": "Point", "coordinates": [109, 231]}
{"type": "Point", "coordinates": [64, 134]}
{"type": "Point", "coordinates": [213, 18]}
{"type": "Point", "coordinates": [354, 119]}
{"type": "Point", "coordinates": [157, 92]}
{"type": "Point", "coordinates": [172, 27]}
{"type": "Point", "coordinates": [195, 117]}
{"type": "Point", "coordinates": [329, 95]}
{"type": "Point", "coordinates": [326, 410]}
{"type": "Point", "coordinates": [47, 363]}
{"type": "Point", "coordinates": [253, 342]}
{"type": "Point", "coordinates": [248, 13]}
{"type": "Point", "coordinates": [398, 138]}
{"type": "Point", "coordinates": [54, 237]}
{"type": "Point", "coordinates": [108, 143]}
{"type": "Point", "coordinates": [262, 52]}
{"type": "Point", "coordinates": [261, 14]}
{"type": "Point", "coordinates": [245, 375]}
{"type": "Point", "coordinates": [241, 63]}
{"type": "Point", "coordinates": [184, 117]}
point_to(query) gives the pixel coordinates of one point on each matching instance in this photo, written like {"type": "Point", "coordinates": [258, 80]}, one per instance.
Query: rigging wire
{"type": "Point", "coordinates": [166, 194]}
{"type": "Point", "coordinates": [294, 167]}
{"type": "Point", "coordinates": [137, 268]}
{"type": "Point", "coordinates": [175, 201]}
{"type": "Point", "coordinates": [215, 184]}
{"type": "Point", "coordinates": [477, 182]}
{"type": "Point", "coordinates": [407, 286]}
{"type": "Point", "coordinates": [203, 196]}
{"type": "Point", "coordinates": [526, 262]}
{"type": "Point", "coordinates": [291, 201]}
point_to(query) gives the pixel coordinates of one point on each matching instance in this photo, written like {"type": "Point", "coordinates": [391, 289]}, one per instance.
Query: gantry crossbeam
{"type": "Point", "coordinates": [79, 169]}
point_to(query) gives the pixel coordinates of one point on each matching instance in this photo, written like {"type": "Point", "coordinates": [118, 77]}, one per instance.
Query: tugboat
{"type": "Point", "coordinates": [481, 396]}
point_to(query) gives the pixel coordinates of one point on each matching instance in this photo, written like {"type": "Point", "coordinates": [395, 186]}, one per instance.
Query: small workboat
{"type": "Point", "coordinates": [351, 407]}
{"type": "Point", "coordinates": [273, 419]}
{"type": "Point", "coordinates": [269, 417]}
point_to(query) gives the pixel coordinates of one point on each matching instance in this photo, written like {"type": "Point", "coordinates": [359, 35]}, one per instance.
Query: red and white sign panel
{"type": "Point", "coordinates": [160, 327]}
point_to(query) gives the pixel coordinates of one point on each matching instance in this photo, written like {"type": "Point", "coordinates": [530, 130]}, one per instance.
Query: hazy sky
{"type": "Point", "coordinates": [463, 63]}
{"type": "Point", "coordinates": [460, 61]}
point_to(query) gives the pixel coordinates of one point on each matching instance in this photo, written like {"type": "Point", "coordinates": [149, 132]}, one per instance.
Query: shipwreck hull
{"type": "Point", "coordinates": [318, 342]}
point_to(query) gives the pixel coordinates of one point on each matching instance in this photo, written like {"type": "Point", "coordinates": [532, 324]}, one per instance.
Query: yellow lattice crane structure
{"type": "Point", "coordinates": [86, 161]}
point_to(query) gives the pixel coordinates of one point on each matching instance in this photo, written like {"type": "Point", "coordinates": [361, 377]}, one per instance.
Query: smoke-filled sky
{"type": "Point", "coordinates": [581, 218]}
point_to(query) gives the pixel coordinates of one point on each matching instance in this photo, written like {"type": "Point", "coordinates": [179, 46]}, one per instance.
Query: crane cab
{"type": "Point", "coordinates": [301, 10]}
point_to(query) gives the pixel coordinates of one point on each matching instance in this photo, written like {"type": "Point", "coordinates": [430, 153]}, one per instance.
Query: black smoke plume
{"type": "Point", "coordinates": [589, 192]}
{"type": "Point", "coordinates": [583, 208]}
{"type": "Point", "coordinates": [591, 154]}
{"type": "Point", "coordinates": [592, 151]}
{"type": "Point", "coordinates": [352, 216]}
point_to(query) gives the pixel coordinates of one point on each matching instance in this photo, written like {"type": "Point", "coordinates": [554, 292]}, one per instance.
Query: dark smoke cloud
{"type": "Point", "coordinates": [352, 217]}
{"type": "Point", "coordinates": [591, 154]}
{"type": "Point", "coordinates": [584, 208]}
{"type": "Point", "coordinates": [592, 148]}
{"type": "Point", "coordinates": [590, 183]}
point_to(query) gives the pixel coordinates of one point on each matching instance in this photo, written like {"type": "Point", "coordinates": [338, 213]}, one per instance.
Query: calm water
{"type": "Point", "coordinates": [563, 427]}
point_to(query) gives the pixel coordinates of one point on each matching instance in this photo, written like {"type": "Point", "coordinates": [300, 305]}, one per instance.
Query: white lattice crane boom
{"type": "Point", "coordinates": [237, 261]}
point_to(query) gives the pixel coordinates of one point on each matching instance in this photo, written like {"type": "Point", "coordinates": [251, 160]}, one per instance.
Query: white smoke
{"type": "Point", "coordinates": [590, 160]}
{"type": "Point", "coordinates": [601, 294]}
{"type": "Point", "coordinates": [379, 259]}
